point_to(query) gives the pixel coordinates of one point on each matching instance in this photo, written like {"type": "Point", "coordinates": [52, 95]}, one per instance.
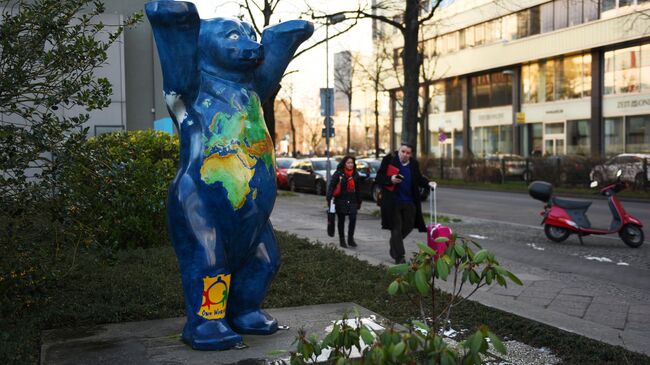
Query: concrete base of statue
{"type": "Point", "coordinates": [158, 341]}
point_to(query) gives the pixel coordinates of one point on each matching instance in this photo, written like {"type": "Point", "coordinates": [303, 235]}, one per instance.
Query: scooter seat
{"type": "Point", "coordinates": [571, 204]}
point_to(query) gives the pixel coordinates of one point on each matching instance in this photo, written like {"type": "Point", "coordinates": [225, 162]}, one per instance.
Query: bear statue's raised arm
{"type": "Point", "coordinates": [280, 42]}
{"type": "Point", "coordinates": [176, 27]}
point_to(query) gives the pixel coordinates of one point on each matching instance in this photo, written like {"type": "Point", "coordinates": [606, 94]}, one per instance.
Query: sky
{"type": "Point", "coordinates": [309, 75]}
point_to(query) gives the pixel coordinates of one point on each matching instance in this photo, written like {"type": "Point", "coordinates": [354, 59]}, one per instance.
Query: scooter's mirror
{"type": "Point", "coordinates": [618, 173]}
{"type": "Point", "coordinates": [593, 184]}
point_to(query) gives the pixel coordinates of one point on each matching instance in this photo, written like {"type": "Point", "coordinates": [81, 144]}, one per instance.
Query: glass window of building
{"type": "Point", "coordinates": [613, 136]}
{"type": "Point", "coordinates": [577, 135]}
{"type": "Point", "coordinates": [523, 20]}
{"type": "Point", "coordinates": [534, 23]}
{"type": "Point", "coordinates": [561, 14]}
{"type": "Point", "coordinates": [608, 82]}
{"type": "Point", "coordinates": [461, 39]}
{"type": "Point", "coordinates": [590, 10]}
{"type": "Point", "coordinates": [479, 34]}
{"type": "Point", "coordinates": [530, 82]}
{"type": "Point", "coordinates": [625, 2]}
{"type": "Point", "coordinates": [607, 5]}
{"type": "Point", "coordinates": [534, 139]}
{"type": "Point", "coordinates": [546, 17]}
{"type": "Point", "coordinates": [480, 91]}
{"type": "Point", "coordinates": [575, 12]}
{"type": "Point", "coordinates": [572, 77]}
{"type": "Point", "coordinates": [626, 70]}
{"type": "Point", "coordinates": [549, 80]}
{"type": "Point", "coordinates": [645, 68]}
{"type": "Point", "coordinates": [453, 95]}
{"type": "Point", "coordinates": [501, 89]}
{"type": "Point", "coordinates": [554, 128]}
{"type": "Point", "coordinates": [509, 27]}
{"type": "Point", "coordinates": [586, 71]}
{"type": "Point", "coordinates": [637, 134]}
{"type": "Point", "coordinates": [469, 37]}
{"type": "Point", "coordinates": [452, 42]}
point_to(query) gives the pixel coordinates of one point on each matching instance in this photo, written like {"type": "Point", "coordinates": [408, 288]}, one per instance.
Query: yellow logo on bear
{"type": "Point", "coordinates": [215, 297]}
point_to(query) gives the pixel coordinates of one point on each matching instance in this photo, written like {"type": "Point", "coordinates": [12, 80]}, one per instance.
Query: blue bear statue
{"type": "Point", "coordinates": [215, 76]}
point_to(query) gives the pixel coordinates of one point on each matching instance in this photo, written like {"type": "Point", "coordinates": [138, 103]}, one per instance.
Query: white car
{"type": "Point", "coordinates": [634, 167]}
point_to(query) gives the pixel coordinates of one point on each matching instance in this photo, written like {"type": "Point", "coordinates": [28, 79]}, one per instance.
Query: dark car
{"type": "Point", "coordinates": [367, 169]}
{"type": "Point", "coordinates": [633, 166]}
{"type": "Point", "coordinates": [282, 164]}
{"type": "Point", "coordinates": [310, 174]}
{"type": "Point", "coordinates": [563, 169]}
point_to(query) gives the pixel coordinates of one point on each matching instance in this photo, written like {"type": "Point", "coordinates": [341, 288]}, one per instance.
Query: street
{"type": "Point", "coordinates": [600, 289]}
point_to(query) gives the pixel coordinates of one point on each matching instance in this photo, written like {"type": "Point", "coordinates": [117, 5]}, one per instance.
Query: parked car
{"type": "Point", "coordinates": [634, 168]}
{"type": "Point", "coordinates": [562, 169]}
{"type": "Point", "coordinates": [310, 174]}
{"type": "Point", "coordinates": [367, 169]}
{"type": "Point", "coordinates": [282, 164]}
{"type": "Point", "coordinates": [490, 168]}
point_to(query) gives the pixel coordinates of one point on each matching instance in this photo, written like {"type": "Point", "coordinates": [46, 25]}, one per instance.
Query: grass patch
{"type": "Point", "coordinates": [521, 186]}
{"type": "Point", "coordinates": [145, 284]}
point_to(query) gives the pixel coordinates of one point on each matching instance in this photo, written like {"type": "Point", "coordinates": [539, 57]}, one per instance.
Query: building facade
{"type": "Point", "coordinates": [536, 78]}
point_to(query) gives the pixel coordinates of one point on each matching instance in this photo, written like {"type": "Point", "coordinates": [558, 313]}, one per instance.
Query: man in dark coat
{"type": "Point", "coordinates": [399, 177]}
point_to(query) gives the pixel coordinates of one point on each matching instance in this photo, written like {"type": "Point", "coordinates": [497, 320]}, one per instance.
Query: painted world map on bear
{"type": "Point", "coordinates": [234, 141]}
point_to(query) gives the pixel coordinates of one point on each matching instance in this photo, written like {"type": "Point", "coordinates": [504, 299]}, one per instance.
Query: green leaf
{"type": "Point", "coordinates": [398, 269]}
{"type": "Point", "coordinates": [488, 277]}
{"type": "Point", "coordinates": [420, 325]}
{"type": "Point", "coordinates": [501, 280]}
{"type": "Point", "coordinates": [276, 353]}
{"type": "Point", "coordinates": [367, 336]}
{"type": "Point", "coordinates": [421, 282]}
{"type": "Point", "coordinates": [475, 342]}
{"type": "Point", "coordinates": [445, 359]}
{"type": "Point", "coordinates": [500, 270]}
{"type": "Point", "coordinates": [443, 269]}
{"type": "Point", "coordinates": [496, 342]}
{"type": "Point", "coordinates": [480, 256]}
{"type": "Point", "coordinates": [399, 349]}
{"type": "Point", "coordinates": [393, 287]}
{"type": "Point", "coordinates": [426, 249]}
{"type": "Point", "coordinates": [460, 251]}
{"type": "Point", "coordinates": [514, 278]}
{"type": "Point", "coordinates": [441, 239]}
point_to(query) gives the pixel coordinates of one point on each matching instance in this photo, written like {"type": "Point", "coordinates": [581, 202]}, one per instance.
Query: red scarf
{"type": "Point", "coordinates": [348, 174]}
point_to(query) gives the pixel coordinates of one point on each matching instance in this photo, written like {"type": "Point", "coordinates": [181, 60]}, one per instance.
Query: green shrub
{"type": "Point", "coordinates": [116, 190]}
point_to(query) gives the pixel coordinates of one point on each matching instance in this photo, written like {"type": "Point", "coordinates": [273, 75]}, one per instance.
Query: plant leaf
{"type": "Point", "coordinates": [441, 239]}
{"type": "Point", "coordinates": [421, 282]}
{"type": "Point", "coordinates": [480, 256]}
{"type": "Point", "coordinates": [514, 278]}
{"type": "Point", "coordinates": [443, 269]}
{"type": "Point", "coordinates": [367, 336]}
{"type": "Point", "coordinates": [426, 249]}
{"type": "Point", "coordinates": [393, 287]}
{"type": "Point", "coordinates": [496, 342]}
{"type": "Point", "coordinates": [398, 269]}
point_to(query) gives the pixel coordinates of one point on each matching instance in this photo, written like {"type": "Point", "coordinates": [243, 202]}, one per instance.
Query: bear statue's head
{"type": "Point", "coordinates": [228, 47]}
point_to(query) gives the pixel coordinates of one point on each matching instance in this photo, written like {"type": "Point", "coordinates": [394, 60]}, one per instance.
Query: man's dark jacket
{"type": "Point", "coordinates": [389, 197]}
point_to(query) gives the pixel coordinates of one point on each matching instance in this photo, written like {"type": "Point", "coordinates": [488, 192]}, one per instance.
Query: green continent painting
{"type": "Point", "coordinates": [233, 145]}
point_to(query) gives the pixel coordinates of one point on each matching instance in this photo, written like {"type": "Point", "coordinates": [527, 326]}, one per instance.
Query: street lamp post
{"type": "Point", "coordinates": [330, 19]}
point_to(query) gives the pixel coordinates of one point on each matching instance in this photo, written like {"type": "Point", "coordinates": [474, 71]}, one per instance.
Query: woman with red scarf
{"type": "Point", "coordinates": [348, 200]}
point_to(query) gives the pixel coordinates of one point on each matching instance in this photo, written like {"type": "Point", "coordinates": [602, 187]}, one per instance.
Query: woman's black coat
{"type": "Point", "coordinates": [348, 201]}
{"type": "Point", "coordinates": [389, 198]}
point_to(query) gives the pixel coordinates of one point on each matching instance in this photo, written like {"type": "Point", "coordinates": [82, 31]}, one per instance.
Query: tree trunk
{"type": "Point", "coordinates": [293, 129]}
{"type": "Point", "coordinates": [268, 108]}
{"type": "Point", "coordinates": [377, 116]}
{"type": "Point", "coordinates": [411, 63]}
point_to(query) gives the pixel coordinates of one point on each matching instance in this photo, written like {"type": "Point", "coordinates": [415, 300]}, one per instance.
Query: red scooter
{"type": "Point", "coordinates": [562, 217]}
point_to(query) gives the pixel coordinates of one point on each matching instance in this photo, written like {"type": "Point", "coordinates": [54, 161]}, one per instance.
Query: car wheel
{"type": "Point", "coordinates": [320, 188]}
{"type": "Point", "coordinates": [292, 185]}
{"type": "Point", "coordinates": [376, 189]}
{"type": "Point", "coordinates": [639, 181]}
{"type": "Point", "coordinates": [556, 234]}
{"type": "Point", "coordinates": [632, 235]}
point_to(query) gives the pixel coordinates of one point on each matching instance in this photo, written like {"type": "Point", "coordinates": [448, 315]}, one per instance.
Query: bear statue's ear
{"type": "Point", "coordinates": [176, 26]}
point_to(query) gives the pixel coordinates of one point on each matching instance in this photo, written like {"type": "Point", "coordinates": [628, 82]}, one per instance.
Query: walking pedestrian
{"type": "Point", "coordinates": [343, 188]}
{"type": "Point", "coordinates": [399, 177]}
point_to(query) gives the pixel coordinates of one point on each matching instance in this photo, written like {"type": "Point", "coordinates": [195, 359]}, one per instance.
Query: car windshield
{"type": "Point", "coordinates": [320, 165]}
{"type": "Point", "coordinates": [284, 163]}
{"type": "Point", "coordinates": [374, 165]}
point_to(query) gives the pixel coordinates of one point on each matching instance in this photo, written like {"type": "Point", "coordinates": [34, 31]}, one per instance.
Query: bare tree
{"type": "Point", "coordinates": [287, 102]}
{"type": "Point", "coordinates": [407, 17]}
{"type": "Point", "coordinates": [344, 73]}
{"type": "Point", "coordinates": [260, 14]}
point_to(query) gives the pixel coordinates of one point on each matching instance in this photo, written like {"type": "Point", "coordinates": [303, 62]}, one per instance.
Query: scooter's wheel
{"type": "Point", "coordinates": [557, 234]}
{"type": "Point", "coordinates": [632, 235]}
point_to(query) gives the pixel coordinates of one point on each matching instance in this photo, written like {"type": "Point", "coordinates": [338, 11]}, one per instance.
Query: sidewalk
{"type": "Point", "coordinates": [574, 303]}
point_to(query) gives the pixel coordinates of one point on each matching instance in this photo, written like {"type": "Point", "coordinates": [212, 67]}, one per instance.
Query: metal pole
{"type": "Point", "coordinates": [327, 99]}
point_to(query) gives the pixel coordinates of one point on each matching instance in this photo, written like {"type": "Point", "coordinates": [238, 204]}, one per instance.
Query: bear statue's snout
{"type": "Point", "coordinates": [254, 53]}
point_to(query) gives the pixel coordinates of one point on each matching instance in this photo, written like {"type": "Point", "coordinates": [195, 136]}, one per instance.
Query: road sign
{"type": "Point", "coordinates": [521, 118]}
{"type": "Point", "coordinates": [326, 101]}
{"type": "Point", "coordinates": [324, 132]}
{"type": "Point", "coordinates": [442, 137]}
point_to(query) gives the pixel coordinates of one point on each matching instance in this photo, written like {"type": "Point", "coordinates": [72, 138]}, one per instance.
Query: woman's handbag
{"type": "Point", "coordinates": [331, 219]}
{"type": "Point", "coordinates": [337, 190]}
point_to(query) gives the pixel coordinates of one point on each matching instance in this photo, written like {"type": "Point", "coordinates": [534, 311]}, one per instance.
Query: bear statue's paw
{"type": "Point", "coordinates": [254, 323]}
{"type": "Point", "coordinates": [211, 335]}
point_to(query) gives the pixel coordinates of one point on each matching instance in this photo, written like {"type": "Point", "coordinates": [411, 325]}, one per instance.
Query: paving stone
{"type": "Point", "coordinates": [549, 284]}
{"type": "Point", "coordinates": [609, 318]}
{"type": "Point", "coordinates": [539, 293]}
{"type": "Point", "coordinates": [605, 299]}
{"type": "Point", "coordinates": [573, 298]}
{"type": "Point", "coordinates": [615, 308]}
{"type": "Point", "coordinates": [510, 291]}
{"type": "Point", "coordinates": [541, 302]}
{"type": "Point", "coordinates": [640, 309]}
{"type": "Point", "coordinates": [574, 312]}
{"type": "Point", "coordinates": [577, 291]}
